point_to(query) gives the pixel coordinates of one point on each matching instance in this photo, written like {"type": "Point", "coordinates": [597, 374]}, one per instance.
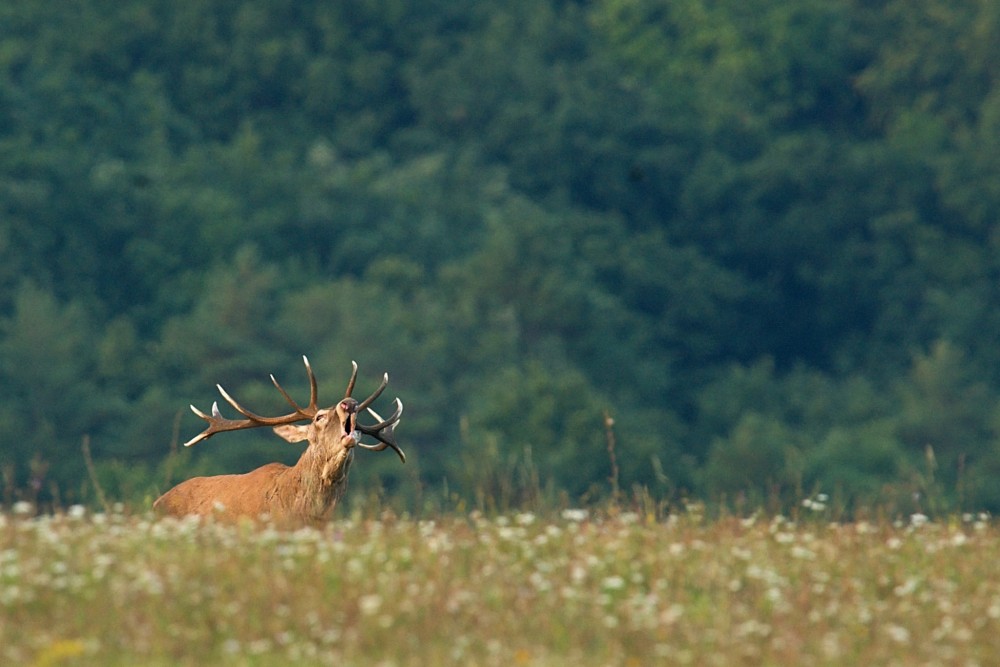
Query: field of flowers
{"type": "Point", "coordinates": [577, 588]}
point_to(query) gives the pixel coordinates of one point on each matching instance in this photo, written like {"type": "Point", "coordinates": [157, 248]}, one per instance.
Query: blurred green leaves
{"type": "Point", "coordinates": [760, 236]}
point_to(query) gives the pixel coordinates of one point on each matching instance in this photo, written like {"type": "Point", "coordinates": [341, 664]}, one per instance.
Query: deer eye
{"type": "Point", "coordinates": [321, 417]}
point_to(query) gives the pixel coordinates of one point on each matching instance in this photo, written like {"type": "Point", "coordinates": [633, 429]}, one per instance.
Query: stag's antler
{"type": "Point", "coordinates": [384, 431]}
{"type": "Point", "coordinates": [219, 424]}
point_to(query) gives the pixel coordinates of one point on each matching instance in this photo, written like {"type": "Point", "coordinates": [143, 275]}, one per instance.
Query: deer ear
{"type": "Point", "coordinates": [292, 433]}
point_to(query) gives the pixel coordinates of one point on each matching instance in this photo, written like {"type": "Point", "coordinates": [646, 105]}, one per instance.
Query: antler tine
{"type": "Point", "coordinates": [313, 389]}
{"type": "Point", "coordinates": [196, 439]}
{"type": "Point", "coordinates": [384, 431]}
{"type": "Point", "coordinates": [354, 376]}
{"type": "Point", "coordinates": [236, 406]}
{"type": "Point", "coordinates": [391, 421]}
{"type": "Point", "coordinates": [313, 392]}
{"type": "Point", "coordinates": [207, 432]}
{"type": "Point", "coordinates": [368, 401]}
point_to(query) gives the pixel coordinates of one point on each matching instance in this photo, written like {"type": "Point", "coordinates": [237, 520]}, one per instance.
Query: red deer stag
{"type": "Point", "coordinates": [304, 493]}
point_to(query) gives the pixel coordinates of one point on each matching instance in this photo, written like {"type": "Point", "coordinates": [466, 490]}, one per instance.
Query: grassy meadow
{"type": "Point", "coordinates": [575, 588]}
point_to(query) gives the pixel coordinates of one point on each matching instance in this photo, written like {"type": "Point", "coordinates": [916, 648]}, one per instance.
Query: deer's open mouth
{"type": "Point", "coordinates": [349, 427]}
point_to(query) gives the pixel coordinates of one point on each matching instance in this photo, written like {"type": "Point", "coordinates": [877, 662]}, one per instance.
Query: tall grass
{"type": "Point", "coordinates": [577, 588]}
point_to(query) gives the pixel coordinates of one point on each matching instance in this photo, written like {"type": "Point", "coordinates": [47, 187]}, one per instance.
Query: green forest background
{"type": "Point", "coordinates": [761, 235]}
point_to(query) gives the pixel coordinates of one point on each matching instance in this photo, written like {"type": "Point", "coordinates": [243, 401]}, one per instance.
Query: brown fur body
{"type": "Point", "coordinates": [283, 494]}
{"type": "Point", "coordinates": [307, 492]}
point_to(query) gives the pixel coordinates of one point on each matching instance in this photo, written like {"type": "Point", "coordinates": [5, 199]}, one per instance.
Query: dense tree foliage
{"type": "Point", "coordinates": [762, 236]}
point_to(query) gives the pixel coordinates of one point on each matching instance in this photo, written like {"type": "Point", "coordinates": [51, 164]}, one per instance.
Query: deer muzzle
{"type": "Point", "coordinates": [349, 424]}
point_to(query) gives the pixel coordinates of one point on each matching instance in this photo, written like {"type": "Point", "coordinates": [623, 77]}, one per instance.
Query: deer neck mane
{"type": "Point", "coordinates": [321, 473]}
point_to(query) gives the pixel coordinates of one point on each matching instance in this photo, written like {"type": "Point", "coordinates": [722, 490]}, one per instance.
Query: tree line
{"type": "Point", "coordinates": [761, 236]}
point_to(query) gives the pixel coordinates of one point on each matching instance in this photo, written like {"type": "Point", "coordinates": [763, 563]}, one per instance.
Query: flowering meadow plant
{"type": "Point", "coordinates": [580, 587]}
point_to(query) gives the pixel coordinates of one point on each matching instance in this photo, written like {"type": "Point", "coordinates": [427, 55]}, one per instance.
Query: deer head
{"type": "Point", "coordinates": [329, 428]}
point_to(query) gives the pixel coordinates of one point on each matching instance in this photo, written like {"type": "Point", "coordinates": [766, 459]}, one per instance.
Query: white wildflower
{"type": "Point", "coordinates": [802, 553]}
{"type": "Point", "coordinates": [898, 633]}
{"type": "Point", "coordinates": [370, 604]}
{"type": "Point", "coordinates": [23, 508]}
{"type": "Point", "coordinates": [613, 583]}
{"type": "Point", "coordinates": [906, 587]}
{"type": "Point", "coordinates": [671, 614]}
